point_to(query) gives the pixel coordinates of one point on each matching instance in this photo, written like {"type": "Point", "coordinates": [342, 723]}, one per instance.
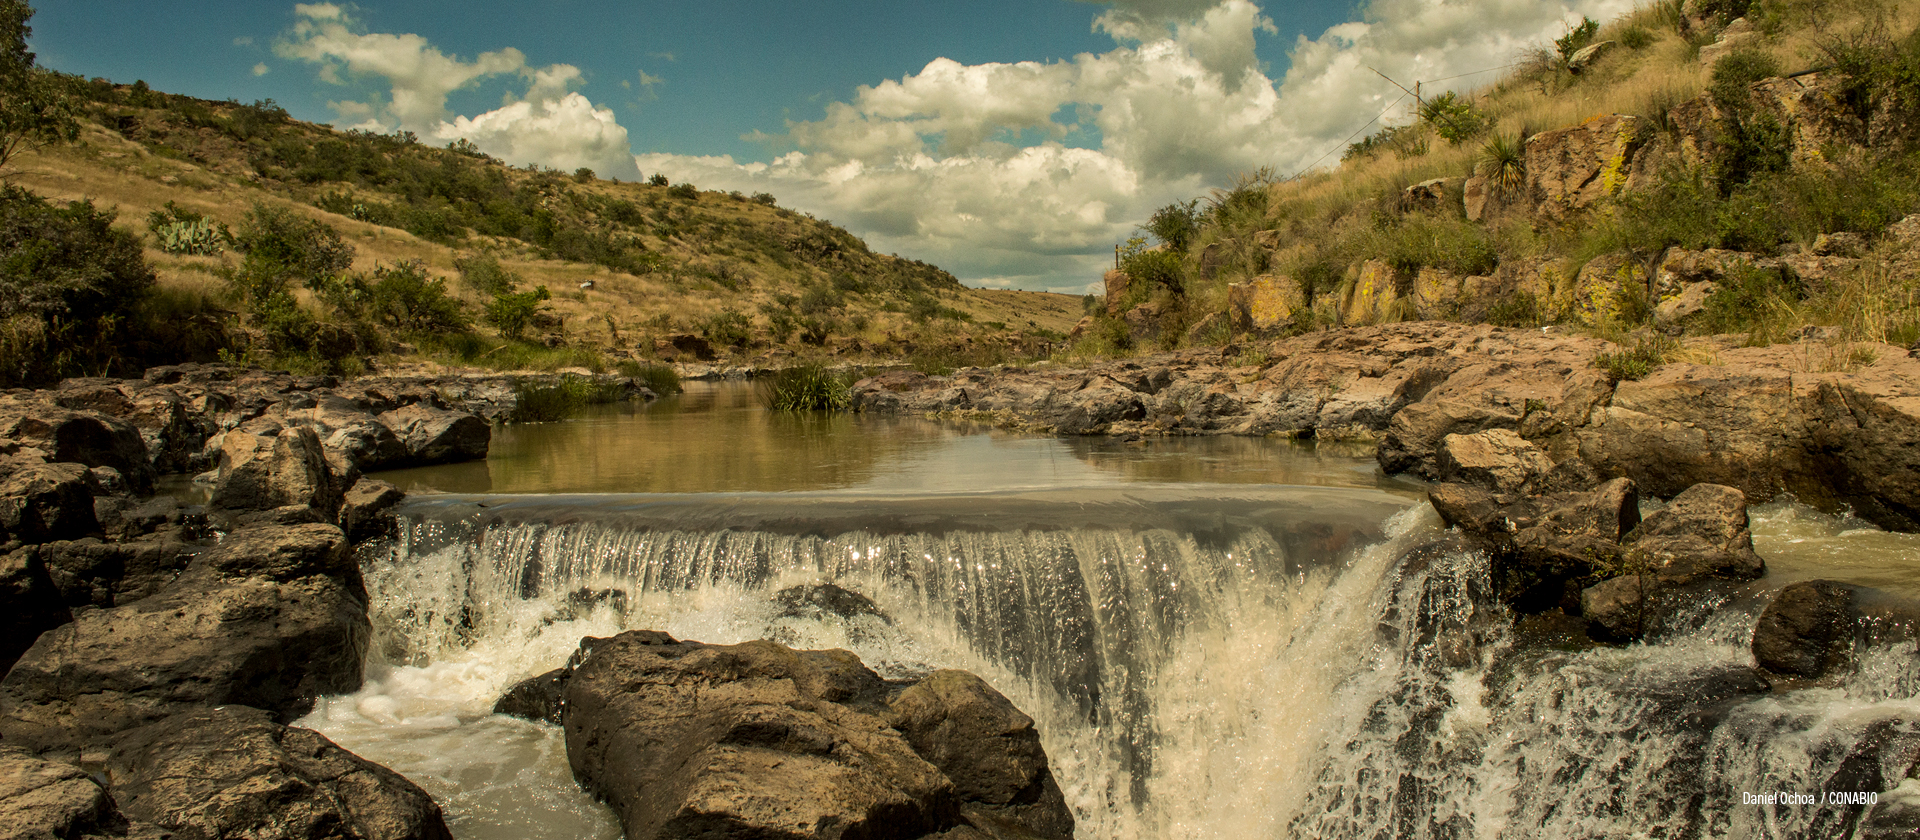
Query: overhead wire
{"type": "Point", "coordinates": [1389, 110]}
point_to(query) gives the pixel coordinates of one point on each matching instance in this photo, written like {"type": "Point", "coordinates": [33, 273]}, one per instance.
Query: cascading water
{"type": "Point", "coordinates": [1202, 662]}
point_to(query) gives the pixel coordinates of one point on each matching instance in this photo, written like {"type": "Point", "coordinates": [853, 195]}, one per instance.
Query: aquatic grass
{"type": "Point", "coordinates": [808, 387]}
{"type": "Point", "coordinates": [545, 402]}
{"type": "Point", "coordinates": [660, 379]}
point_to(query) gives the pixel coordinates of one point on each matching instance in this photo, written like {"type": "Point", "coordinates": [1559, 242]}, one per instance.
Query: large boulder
{"type": "Point", "coordinates": [29, 604]}
{"type": "Point", "coordinates": [272, 617]}
{"type": "Point", "coordinates": [366, 511]}
{"type": "Point", "coordinates": [1413, 437]}
{"type": "Point", "coordinates": [988, 748]}
{"type": "Point", "coordinates": [274, 469]}
{"type": "Point", "coordinates": [1681, 557]}
{"type": "Point", "coordinates": [1570, 168]}
{"type": "Point", "coordinates": [82, 437]}
{"type": "Point", "coordinates": [51, 800]}
{"type": "Point", "coordinates": [438, 436]}
{"type": "Point", "coordinates": [1544, 548]}
{"type": "Point", "coordinates": [1496, 459]}
{"type": "Point", "coordinates": [92, 573]}
{"type": "Point", "coordinates": [758, 740]}
{"type": "Point", "coordinates": [1807, 630]}
{"type": "Point", "coordinates": [46, 502]}
{"type": "Point", "coordinates": [235, 772]}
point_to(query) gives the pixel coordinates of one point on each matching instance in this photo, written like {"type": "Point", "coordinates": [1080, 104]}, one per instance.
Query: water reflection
{"type": "Point", "coordinates": [717, 438]}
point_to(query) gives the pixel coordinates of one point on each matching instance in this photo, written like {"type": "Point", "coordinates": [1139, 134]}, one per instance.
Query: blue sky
{"type": "Point", "coordinates": [1010, 142]}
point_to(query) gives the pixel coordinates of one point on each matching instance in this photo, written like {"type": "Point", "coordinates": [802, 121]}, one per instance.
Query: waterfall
{"type": "Point", "coordinates": [1208, 662]}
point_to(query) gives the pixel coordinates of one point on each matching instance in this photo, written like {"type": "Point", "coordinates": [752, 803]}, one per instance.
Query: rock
{"type": "Point", "coordinates": [1214, 329]}
{"type": "Point", "coordinates": [1583, 59]}
{"type": "Point", "coordinates": [817, 600]}
{"type": "Point", "coordinates": [1681, 309]}
{"type": "Point", "coordinates": [271, 618]}
{"type": "Point", "coordinates": [46, 502]}
{"type": "Point", "coordinates": [536, 698]}
{"type": "Point", "coordinates": [1145, 322]}
{"type": "Point", "coordinates": [266, 471]}
{"type": "Point", "coordinates": [747, 740]}
{"type": "Point", "coordinates": [1098, 405]}
{"type": "Point", "coordinates": [1839, 244]}
{"type": "Point", "coordinates": [1413, 437]}
{"type": "Point", "coordinates": [29, 604]}
{"type": "Point", "coordinates": [1702, 533]}
{"type": "Point", "coordinates": [1117, 284]}
{"type": "Point", "coordinates": [1497, 459]}
{"type": "Point", "coordinates": [1080, 328]}
{"type": "Point", "coordinates": [435, 436]}
{"type": "Point", "coordinates": [1435, 294]}
{"type": "Point", "coordinates": [1604, 284]}
{"type": "Point", "coordinates": [1807, 629]}
{"type": "Point", "coordinates": [1267, 302]}
{"type": "Point", "coordinates": [82, 437]}
{"type": "Point", "coordinates": [1738, 33]}
{"type": "Point", "coordinates": [1542, 545]}
{"type": "Point", "coordinates": [91, 573]}
{"type": "Point", "coordinates": [1430, 196]}
{"type": "Point", "coordinates": [234, 772]}
{"type": "Point", "coordinates": [42, 800]}
{"type": "Point", "coordinates": [366, 512]}
{"type": "Point", "coordinates": [989, 750]}
{"type": "Point", "coordinates": [1477, 196]}
{"type": "Point", "coordinates": [685, 345]}
{"type": "Point", "coordinates": [1371, 299]}
{"type": "Point", "coordinates": [1569, 169]}
{"type": "Point", "coordinates": [355, 436]}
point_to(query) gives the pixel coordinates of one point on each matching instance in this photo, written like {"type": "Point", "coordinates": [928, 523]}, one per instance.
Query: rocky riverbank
{"type": "Point", "coordinates": [156, 653]}
{"type": "Point", "coordinates": [1832, 430]}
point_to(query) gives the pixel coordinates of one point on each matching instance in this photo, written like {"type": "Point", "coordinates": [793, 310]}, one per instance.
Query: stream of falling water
{"type": "Point", "coordinates": [1233, 682]}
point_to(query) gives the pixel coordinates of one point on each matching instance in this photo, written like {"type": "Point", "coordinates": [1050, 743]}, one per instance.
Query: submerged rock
{"type": "Point", "coordinates": [234, 772]}
{"type": "Point", "coordinates": [819, 599]}
{"type": "Point", "coordinates": [1807, 630]}
{"type": "Point", "coordinates": [1678, 560]}
{"type": "Point", "coordinates": [1540, 545]}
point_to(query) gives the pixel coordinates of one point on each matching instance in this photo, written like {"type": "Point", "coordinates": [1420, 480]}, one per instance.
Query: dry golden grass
{"type": "Point", "coordinates": [621, 310]}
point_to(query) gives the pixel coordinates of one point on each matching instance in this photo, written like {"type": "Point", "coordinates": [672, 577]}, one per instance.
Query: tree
{"type": "Point", "coordinates": [34, 111]}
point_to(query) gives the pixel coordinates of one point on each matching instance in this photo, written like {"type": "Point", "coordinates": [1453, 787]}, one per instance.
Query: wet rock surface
{"type": "Point", "coordinates": [235, 772]}
{"type": "Point", "coordinates": [760, 740]}
{"type": "Point", "coordinates": [1807, 630]}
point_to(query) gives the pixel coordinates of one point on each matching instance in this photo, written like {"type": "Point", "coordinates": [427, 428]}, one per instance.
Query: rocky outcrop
{"type": "Point", "coordinates": [1807, 630]}
{"type": "Point", "coordinates": [366, 512]}
{"type": "Point", "coordinates": [272, 617]}
{"type": "Point", "coordinates": [438, 436]}
{"type": "Point", "coordinates": [1544, 548]}
{"type": "Point", "coordinates": [1497, 459]}
{"type": "Point", "coordinates": [50, 799]}
{"type": "Point", "coordinates": [1677, 560]}
{"type": "Point", "coordinates": [265, 466]}
{"type": "Point", "coordinates": [759, 740]}
{"type": "Point", "coordinates": [1569, 169]}
{"type": "Point", "coordinates": [45, 502]}
{"type": "Point", "coordinates": [29, 604]}
{"type": "Point", "coordinates": [1755, 419]}
{"type": "Point", "coordinates": [235, 772]}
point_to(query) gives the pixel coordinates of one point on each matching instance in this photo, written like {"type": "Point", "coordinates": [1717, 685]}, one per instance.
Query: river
{"type": "Point", "coordinates": [1214, 635]}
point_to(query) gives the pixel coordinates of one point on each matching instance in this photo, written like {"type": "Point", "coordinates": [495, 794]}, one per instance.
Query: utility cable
{"type": "Point", "coordinates": [1349, 140]}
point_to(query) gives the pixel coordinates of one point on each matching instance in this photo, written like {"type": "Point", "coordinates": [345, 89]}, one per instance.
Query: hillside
{"type": "Point", "coordinates": [1711, 167]}
{"type": "Point", "coordinates": [676, 273]}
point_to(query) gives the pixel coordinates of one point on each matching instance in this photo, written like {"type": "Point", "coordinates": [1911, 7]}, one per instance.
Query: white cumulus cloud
{"type": "Point", "coordinates": [550, 124]}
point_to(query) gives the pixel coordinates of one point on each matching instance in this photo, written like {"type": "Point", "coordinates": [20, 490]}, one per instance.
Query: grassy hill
{"type": "Point", "coordinates": [199, 183]}
{"type": "Point", "coordinates": [1711, 167]}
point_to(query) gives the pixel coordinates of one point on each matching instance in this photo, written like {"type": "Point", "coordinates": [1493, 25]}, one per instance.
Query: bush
{"type": "Point", "coordinates": [404, 298]}
{"type": "Point", "coordinates": [1576, 39]}
{"type": "Point", "coordinates": [807, 387]}
{"type": "Point", "coordinates": [66, 263]}
{"type": "Point", "coordinates": [1633, 363]}
{"type": "Point", "coordinates": [548, 402]}
{"type": "Point", "coordinates": [686, 191]}
{"type": "Point", "coordinates": [1453, 118]}
{"type": "Point", "coordinates": [728, 328]}
{"type": "Point", "coordinates": [1176, 224]}
{"type": "Point", "coordinates": [1750, 300]}
{"type": "Point", "coordinates": [512, 312]}
{"type": "Point", "coordinates": [1520, 309]}
{"type": "Point", "coordinates": [483, 273]}
{"type": "Point", "coordinates": [1503, 162]}
{"type": "Point", "coordinates": [661, 379]}
{"type": "Point", "coordinates": [283, 247]}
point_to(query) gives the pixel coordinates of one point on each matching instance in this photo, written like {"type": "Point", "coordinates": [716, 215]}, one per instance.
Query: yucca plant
{"type": "Point", "coordinates": [1503, 162]}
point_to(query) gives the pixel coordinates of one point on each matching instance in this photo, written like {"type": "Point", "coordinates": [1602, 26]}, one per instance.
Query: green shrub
{"type": "Point", "coordinates": [404, 298]}
{"type": "Point", "coordinates": [1633, 363]}
{"type": "Point", "coordinates": [283, 247]}
{"type": "Point", "coordinates": [1503, 162]}
{"type": "Point", "coordinates": [1520, 309]}
{"type": "Point", "coordinates": [659, 378]}
{"type": "Point", "coordinates": [807, 387]}
{"type": "Point", "coordinates": [483, 273]}
{"type": "Point", "coordinates": [1151, 269]}
{"type": "Point", "coordinates": [1453, 118]}
{"type": "Point", "coordinates": [1752, 300]}
{"type": "Point", "coordinates": [727, 328]}
{"type": "Point", "coordinates": [1636, 37]}
{"type": "Point", "coordinates": [66, 263]}
{"type": "Point", "coordinates": [1176, 224]}
{"type": "Point", "coordinates": [685, 191]}
{"type": "Point", "coordinates": [512, 312]}
{"type": "Point", "coordinates": [1576, 39]}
